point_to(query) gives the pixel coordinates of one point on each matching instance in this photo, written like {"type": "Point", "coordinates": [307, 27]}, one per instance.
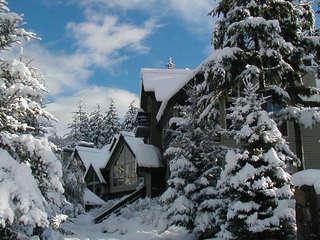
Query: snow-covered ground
{"type": "Point", "coordinates": [142, 220]}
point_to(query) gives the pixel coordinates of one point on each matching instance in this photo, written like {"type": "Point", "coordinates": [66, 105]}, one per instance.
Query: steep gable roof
{"type": "Point", "coordinates": [163, 82]}
{"type": "Point", "coordinates": [97, 158]}
{"type": "Point", "coordinates": [97, 173]}
{"type": "Point", "coordinates": [182, 81]}
{"type": "Point", "coordinates": [146, 155]}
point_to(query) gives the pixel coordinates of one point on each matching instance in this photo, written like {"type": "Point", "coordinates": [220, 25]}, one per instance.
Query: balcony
{"type": "Point", "coordinates": [143, 119]}
{"type": "Point", "coordinates": [143, 123]}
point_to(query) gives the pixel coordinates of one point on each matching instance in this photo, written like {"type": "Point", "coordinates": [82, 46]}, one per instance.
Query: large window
{"type": "Point", "coordinates": [124, 172]}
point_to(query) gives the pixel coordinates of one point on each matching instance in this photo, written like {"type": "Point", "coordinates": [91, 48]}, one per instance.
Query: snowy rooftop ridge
{"type": "Point", "coordinates": [147, 155]}
{"type": "Point", "coordinates": [215, 56]}
{"type": "Point", "coordinates": [163, 82]}
{"type": "Point", "coordinates": [309, 177]}
{"type": "Point", "coordinates": [97, 158]}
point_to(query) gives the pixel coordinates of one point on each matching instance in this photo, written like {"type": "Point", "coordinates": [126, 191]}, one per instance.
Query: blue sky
{"type": "Point", "coordinates": [93, 50]}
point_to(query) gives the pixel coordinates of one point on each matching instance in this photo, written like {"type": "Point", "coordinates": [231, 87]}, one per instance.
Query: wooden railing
{"type": "Point", "coordinates": [139, 193]}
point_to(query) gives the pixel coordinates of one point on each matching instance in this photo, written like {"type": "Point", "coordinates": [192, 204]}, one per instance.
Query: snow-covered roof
{"type": "Point", "coordinates": [133, 142]}
{"type": "Point", "coordinates": [309, 177]}
{"type": "Point", "coordinates": [98, 158]}
{"type": "Point", "coordinates": [183, 79]}
{"type": "Point", "coordinates": [91, 198]}
{"type": "Point", "coordinates": [146, 155]}
{"type": "Point", "coordinates": [164, 82]}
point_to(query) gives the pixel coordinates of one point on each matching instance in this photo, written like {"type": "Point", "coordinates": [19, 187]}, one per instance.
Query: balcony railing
{"type": "Point", "coordinates": [143, 119]}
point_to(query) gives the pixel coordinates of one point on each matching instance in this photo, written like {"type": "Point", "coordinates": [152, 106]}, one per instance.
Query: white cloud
{"type": "Point", "coordinates": [61, 71]}
{"type": "Point", "coordinates": [63, 107]}
{"type": "Point", "coordinates": [193, 13]}
{"type": "Point", "coordinates": [101, 38]}
{"type": "Point", "coordinates": [100, 41]}
{"type": "Point", "coordinates": [123, 4]}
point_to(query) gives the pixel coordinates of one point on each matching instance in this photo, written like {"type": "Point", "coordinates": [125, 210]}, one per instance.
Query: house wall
{"type": "Point", "coordinates": [155, 132]}
{"type": "Point", "coordinates": [311, 147]}
{"type": "Point", "coordinates": [310, 137]}
{"type": "Point", "coordinates": [122, 153]}
{"type": "Point", "coordinates": [94, 184]}
{"type": "Point", "coordinates": [307, 213]}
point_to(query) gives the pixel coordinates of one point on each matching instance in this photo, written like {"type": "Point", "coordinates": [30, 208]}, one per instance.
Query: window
{"type": "Point", "coordinates": [274, 107]}
{"type": "Point", "coordinates": [124, 172]}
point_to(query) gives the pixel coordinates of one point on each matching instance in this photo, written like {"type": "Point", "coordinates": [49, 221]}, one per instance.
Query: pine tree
{"type": "Point", "coordinates": [207, 114]}
{"type": "Point", "coordinates": [195, 165]}
{"type": "Point", "coordinates": [79, 127]}
{"type": "Point", "coordinates": [84, 127]}
{"type": "Point", "coordinates": [208, 221]}
{"type": "Point", "coordinates": [129, 122]}
{"type": "Point", "coordinates": [29, 171]}
{"type": "Point", "coordinates": [268, 43]}
{"type": "Point", "coordinates": [254, 181]}
{"type": "Point", "coordinates": [181, 154]}
{"type": "Point", "coordinates": [73, 178]}
{"type": "Point", "coordinates": [111, 125]}
{"type": "Point", "coordinates": [95, 125]}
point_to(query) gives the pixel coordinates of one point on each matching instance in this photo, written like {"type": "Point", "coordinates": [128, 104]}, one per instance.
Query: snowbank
{"type": "Point", "coordinates": [92, 199]}
{"type": "Point", "coordinates": [310, 177]}
{"type": "Point", "coordinates": [20, 198]}
{"type": "Point", "coordinates": [142, 219]}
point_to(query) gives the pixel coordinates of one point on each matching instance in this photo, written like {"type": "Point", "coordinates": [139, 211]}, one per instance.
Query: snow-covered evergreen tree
{"type": "Point", "coordinates": [207, 114]}
{"type": "Point", "coordinates": [79, 127]}
{"type": "Point", "coordinates": [129, 122]}
{"type": "Point", "coordinates": [181, 154]}
{"type": "Point", "coordinates": [95, 125]}
{"type": "Point", "coordinates": [195, 165]}
{"type": "Point", "coordinates": [273, 43]}
{"type": "Point", "coordinates": [73, 179]}
{"type": "Point", "coordinates": [30, 174]}
{"type": "Point", "coordinates": [111, 125]}
{"type": "Point", "coordinates": [254, 181]}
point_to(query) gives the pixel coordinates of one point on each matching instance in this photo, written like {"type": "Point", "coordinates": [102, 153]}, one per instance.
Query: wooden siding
{"type": "Point", "coordinates": [122, 152]}
{"type": "Point", "coordinates": [157, 135]}
{"type": "Point", "coordinates": [311, 137]}
{"type": "Point", "coordinates": [93, 182]}
{"type": "Point", "coordinates": [311, 146]}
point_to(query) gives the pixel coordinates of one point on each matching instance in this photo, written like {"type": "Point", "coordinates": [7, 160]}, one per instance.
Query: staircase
{"type": "Point", "coordinates": [139, 193]}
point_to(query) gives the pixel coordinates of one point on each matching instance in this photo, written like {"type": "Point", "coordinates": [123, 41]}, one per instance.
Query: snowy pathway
{"type": "Point", "coordinates": [139, 221]}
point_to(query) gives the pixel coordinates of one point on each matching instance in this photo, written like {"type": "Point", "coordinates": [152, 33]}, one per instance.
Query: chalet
{"type": "Point", "coordinates": [162, 89]}
{"type": "Point", "coordinates": [94, 159]}
{"type": "Point", "coordinates": [119, 168]}
{"type": "Point", "coordinates": [132, 163]}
